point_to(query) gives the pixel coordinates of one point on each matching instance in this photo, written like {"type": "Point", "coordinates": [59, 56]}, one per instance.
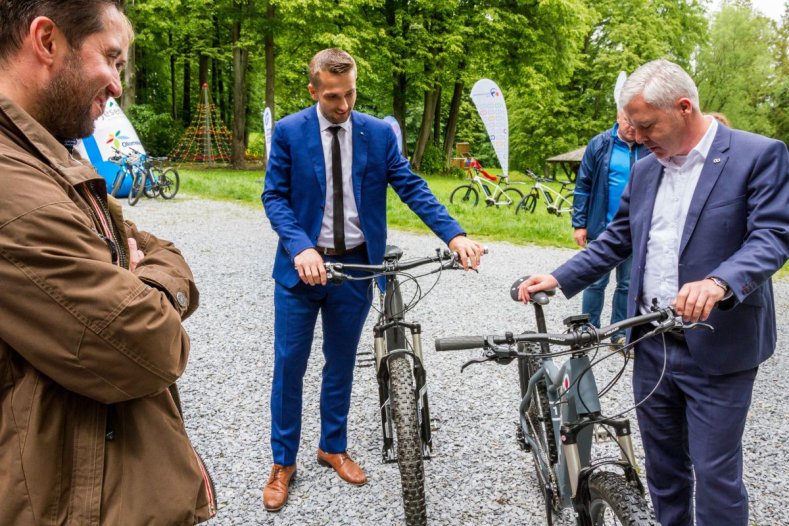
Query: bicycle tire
{"type": "Point", "coordinates": [464, 194]}
{"type": "Point", "coordinates": [408, 441]}
{"type": "Point", "coordinates": [120, 177]}
{"type": "Point", "coordinates": [136, 190]}
{"type": "Point", "coordinates": [527, 205]}
{"type": "Point", "coordinates": [169, 183]}
{"type": "Point", "coordinates": [151, 186]}
{"type": "Point", "coordinates": [515, 196]}
{"type": "Point", "coordinates": [612, 497]}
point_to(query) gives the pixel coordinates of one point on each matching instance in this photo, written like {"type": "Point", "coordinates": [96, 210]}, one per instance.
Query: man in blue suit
{"type": "Point", "coordinates": [325, 196]}
{"type": "Point", "coordinates": [707, 222]}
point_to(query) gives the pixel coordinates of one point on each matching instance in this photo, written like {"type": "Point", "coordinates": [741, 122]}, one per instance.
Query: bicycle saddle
{"type": "Point", "coordinates": [393, 252]}
{"type": "Point", "coordinates": [540, 298]}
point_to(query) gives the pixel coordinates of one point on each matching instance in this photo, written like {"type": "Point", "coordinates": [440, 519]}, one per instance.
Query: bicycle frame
{"type": "Point", "coordinates": [555, 201]}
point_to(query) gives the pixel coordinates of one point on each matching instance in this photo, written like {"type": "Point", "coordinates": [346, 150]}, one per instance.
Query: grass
{"type": "Point", "coordinates": [481, 222]}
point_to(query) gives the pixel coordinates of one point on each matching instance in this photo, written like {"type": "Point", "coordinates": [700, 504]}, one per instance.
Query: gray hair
{"type": "Point", "coordinates": [661, 83]}
{"type": "Point", "coordinates": [334, 60]}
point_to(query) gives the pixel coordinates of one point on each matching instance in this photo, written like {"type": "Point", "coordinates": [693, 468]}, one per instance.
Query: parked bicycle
{"type": "Point", "coordinates": [126, 164]}
{"type": "Point", "coordinates": [150, 179]}
{"type": "Point", "coordinates": [561, 421]}
{"type": "Point", "coordinates": [480, 181]}
{"type": "Point", "coordinates": [557, 202]}
{"type": "Point", "coordinates": [400, 369]}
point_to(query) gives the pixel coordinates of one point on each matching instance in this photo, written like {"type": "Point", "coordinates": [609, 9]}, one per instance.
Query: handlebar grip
{"type": "Point", "coordinates": [458, 343]}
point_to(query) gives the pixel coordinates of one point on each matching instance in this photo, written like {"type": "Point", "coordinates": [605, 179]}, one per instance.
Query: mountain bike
{"type": "Point", "coordinates": [561, 421]}
{"type": "Point", "coordinates": [480, 181]}
{"type": "Point", "coordinates": [150, 179]}
{"type": "Point", "coordinates": [126, 163]}
{"type": "Point", "coordinates": [557, 202]}
{"type": "Point", "coordinates": [400, 369]}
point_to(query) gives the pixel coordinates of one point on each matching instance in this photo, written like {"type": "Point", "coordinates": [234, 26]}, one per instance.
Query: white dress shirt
{"type": "Point", "coordinates": [661, 262]}
{"type": "Point", "coordinates": [353, 230]}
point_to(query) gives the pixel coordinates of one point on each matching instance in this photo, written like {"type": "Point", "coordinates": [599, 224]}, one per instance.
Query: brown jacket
{"type": "Point", "coordinates": [90, 432]}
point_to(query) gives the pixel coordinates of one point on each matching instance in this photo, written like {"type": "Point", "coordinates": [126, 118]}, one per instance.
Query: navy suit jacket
{"type": "Point", "coordinates": [737, 229]}
{"type": "Point", "coordinates": [294, 194]}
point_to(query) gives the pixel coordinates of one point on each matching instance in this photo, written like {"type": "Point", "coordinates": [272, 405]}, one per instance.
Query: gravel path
{"type": "Point", "coordinates": [478, 476]}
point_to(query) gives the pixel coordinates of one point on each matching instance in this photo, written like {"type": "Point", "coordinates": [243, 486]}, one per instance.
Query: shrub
{"type": "Point", "coordinates": [433, 161]}
{"type": "Point", "coordinates": [158, 132]}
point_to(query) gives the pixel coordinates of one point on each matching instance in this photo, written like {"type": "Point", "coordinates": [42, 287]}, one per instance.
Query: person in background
{"type": "Point", "coordinates": [604, 173]}
{"type": "Point", "coordinates": [706, 221]}
{"type": "Point", "coordinates": [91, 339]}
{"type": "Point", "coordinates": [325, 196]}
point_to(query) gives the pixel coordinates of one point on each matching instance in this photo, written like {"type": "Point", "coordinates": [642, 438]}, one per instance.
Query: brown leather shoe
{"type": "Point", "coordinates": [346, 468]}
{"type": "Point", "coordinates": [275, 493]}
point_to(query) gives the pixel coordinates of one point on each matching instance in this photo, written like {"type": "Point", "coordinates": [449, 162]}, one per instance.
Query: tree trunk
{"type": "Point", "coordinates": [399, 82]}
{"type": "Point", "coordinates": [240, 63]}
{"type": "Point", "coordinates": [268, 42]}
{"type": "Point", "coordinates": [173, 87]}
{"type": "Point", "coordinates": [431, 97]}
{"type": "Point", "coordinates": [129, 95]}
{"type": "Point", "coordinates": [203, 69]}
{"type": "Point", "coordinates": [452, 121]}
{"type": "Point", "coordinates": [437, 120]}
{"type": "Point", "coordinates": [187, 106]}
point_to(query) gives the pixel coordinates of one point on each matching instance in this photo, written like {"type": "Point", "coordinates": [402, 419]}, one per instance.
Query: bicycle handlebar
{"type": "Point", "coordinates": [335, 271]}
{"type": "Point", "coordinates": [584, 336]}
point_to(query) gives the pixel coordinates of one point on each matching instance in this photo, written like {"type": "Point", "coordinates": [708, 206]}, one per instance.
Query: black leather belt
{"type": "Point", "coordinates": [326, 251]}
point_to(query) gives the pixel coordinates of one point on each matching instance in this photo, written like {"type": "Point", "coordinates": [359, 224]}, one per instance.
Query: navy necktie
{"type": "Point", "coordinates": [338, 225]}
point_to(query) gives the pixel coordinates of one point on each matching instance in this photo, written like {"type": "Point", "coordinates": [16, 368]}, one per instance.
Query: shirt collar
{"type": "Point", "coordinates": [700, 151]}
{"type": "Point", "coordinates": [325, 123]}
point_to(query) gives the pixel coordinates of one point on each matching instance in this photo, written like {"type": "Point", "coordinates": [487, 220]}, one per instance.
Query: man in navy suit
{"type": "Point", "coordinates": [325, 196]}
{"type": "Point", "coordinates": [707, 222]}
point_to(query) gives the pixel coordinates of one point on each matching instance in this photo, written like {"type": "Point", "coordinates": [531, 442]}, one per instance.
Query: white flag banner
{"type": "Point", "coordinates": [113, 132]}
{"type": "Point", "coordinates": [620, 82]}
{"type": "Point", "coordinates": [268, 127]}
{"type": "Point", "coordinates": [492, 110]}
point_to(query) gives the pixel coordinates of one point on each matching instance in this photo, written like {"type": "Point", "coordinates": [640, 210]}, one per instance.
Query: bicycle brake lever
{"type": "Point", "coordinates": [698, 325]}
{"type": "Point", "coordinates": [481, 359]}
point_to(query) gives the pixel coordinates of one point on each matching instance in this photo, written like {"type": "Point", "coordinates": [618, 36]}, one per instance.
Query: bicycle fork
{"type": "Point", "coordinates": [382, 357]}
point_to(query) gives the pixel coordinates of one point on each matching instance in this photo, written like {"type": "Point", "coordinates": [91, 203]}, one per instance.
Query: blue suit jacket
{"type": "Point", "coordinates": [737, 229]}
{"type": "Point", "coordinates": [294, 193]}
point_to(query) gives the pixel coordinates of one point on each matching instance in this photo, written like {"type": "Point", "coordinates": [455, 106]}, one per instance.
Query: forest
{"type": "Point", "coordinates": [556, 62]}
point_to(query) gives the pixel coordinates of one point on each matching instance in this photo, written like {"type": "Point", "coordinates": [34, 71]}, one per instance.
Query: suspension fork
{"type": "Point", "coordinates": [389, 341]}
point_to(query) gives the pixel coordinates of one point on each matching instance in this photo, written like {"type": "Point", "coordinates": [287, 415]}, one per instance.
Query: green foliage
{"type": "Point", "coordinates": [433, 161]}
{"type": "Point", "coordinates": [158, 132]}
{"type": "Point", "coordinates": [735, 72]}
{"type": "Point", "coordinates": [257, 144]}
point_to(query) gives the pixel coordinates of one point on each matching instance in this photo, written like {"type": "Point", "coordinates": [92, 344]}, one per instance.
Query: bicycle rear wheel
{"type": "Point", "coordinates": [511, 197]}
{"type": "Point", "coordinates": [615, 501]}
{"type": "Point", "coordinates": [409, 443]}
{"type": "Point", "coordinates": [137, 188]}
{"type": "Point", "coordinates": [169, 183]}
{"type": "Point", "coordinates": [464, 194]}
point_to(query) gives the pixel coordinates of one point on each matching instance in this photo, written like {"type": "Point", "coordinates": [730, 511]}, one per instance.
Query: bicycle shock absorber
{"type": "Point", "coordinates": [378, 347]}
{"type": "Point", "coordinates": [571, 454]}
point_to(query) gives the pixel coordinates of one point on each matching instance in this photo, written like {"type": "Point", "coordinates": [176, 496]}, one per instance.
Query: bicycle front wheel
{"type": "Point", "coordinates": [527, 205]}
{"type": "Point", "coordinates": [409, 443]}
{"type": "Point", "coordinates": [137, 188]}
{"type": "Point", "coordinates": [615, 501]}
{"type": "Point", "coordinates": [464, 194]}
{"type": "Point", "coordinates": [169, 183]}
{"type": "Point", "coordinates": [119, 178]}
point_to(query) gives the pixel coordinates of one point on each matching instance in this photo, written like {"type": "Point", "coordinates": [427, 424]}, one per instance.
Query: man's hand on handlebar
{"type": "Point", "coordinates": [469, 252]}
{"type": "Point", "coordinates": [536, 283]}
{"type": "Point", "coordinates": [696, 300]}
{"type": "Point", "coordinates": [309, 264]}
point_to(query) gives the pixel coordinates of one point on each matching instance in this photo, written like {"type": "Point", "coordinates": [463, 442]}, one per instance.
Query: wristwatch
{"type": "Point", "coordinates": [719, 282]}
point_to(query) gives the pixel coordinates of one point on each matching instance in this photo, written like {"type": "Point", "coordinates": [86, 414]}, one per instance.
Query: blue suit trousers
{"type": "Point", "coordinates": [343, 310]}
{"type": "Point", "coordinates": [594, 296]}
{"type": "Point", "coordinates": [691, 428]}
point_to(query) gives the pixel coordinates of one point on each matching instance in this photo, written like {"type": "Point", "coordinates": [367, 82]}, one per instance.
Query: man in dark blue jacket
{"type": "Point", "coordinates": [605, 170]}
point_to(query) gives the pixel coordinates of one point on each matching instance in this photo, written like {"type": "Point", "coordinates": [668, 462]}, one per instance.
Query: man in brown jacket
{"type": "Point", "coordinates": [91, 341]}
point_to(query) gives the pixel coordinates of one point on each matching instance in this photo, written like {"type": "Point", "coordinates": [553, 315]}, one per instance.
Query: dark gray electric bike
{"type": "Point", "coordinates": [561, 421]}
